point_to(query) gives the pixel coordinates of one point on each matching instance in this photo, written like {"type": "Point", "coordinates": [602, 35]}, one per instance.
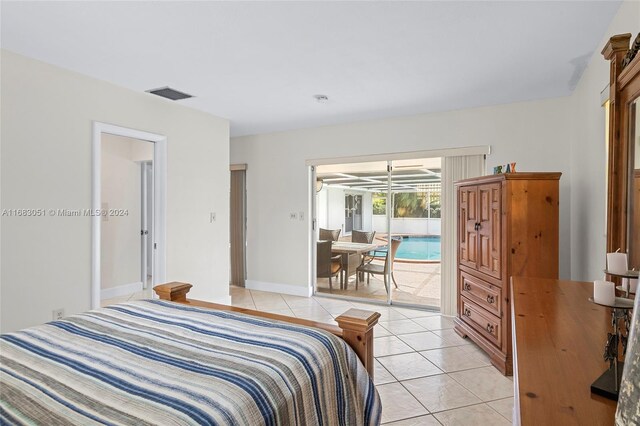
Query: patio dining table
{"type": "Point", "coordinates": [352, 256]}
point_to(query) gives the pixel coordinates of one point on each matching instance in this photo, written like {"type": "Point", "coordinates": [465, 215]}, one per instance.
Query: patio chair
{"type": "Point", "coordinates": [328, 266]}
{"type": "Point", "coordinates": [377, 269]}
{"type": "Point", "coordinates": [329, 234]}
{"type": "Point", "coordinates": [366, 238]}
{"type": "Point", "coordinates": [362, 236]}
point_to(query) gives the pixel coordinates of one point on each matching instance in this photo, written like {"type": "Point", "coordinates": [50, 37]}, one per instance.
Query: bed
{"type": "Point", "coordinates": [177, 361]}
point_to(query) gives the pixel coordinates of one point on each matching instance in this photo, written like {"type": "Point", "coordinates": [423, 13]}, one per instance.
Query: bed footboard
{"type": "Point", "coordinates": [355, 326]}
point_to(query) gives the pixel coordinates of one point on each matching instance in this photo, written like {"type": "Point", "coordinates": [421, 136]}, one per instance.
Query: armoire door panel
{"type": "Point", "coordinates": [489, 231]}
{"type": "Point", "coordinates": [468, 216]}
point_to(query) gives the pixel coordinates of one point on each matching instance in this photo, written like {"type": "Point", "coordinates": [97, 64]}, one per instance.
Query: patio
{"type": "Point", "coordinates": [418, 284]}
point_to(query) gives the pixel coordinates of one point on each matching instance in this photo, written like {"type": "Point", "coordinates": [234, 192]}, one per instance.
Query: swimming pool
{"type": "Point", "coordinates": [419, 248]}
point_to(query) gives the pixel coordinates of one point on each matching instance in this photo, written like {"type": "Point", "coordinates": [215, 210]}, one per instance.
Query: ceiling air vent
{"type": "Point", "coordinates": [169, 93]}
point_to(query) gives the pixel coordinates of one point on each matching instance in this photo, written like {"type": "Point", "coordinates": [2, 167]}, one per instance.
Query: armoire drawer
{"type": "Point", "coordinates": [485, 323]}
{"type": "Point", "coordinates": [481, 292]}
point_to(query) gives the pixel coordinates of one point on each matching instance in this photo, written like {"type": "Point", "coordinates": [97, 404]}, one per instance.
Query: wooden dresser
{"type": "Point", "coordinates": [507, 226]}
{"type": "Point", "coordinates": [558, 338]}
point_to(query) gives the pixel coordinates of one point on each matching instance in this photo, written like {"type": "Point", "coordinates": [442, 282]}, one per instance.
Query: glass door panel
{"type": "Point", "coordinates": [351, 230]}
{"type": "Point", "coordinates": [415, 231]}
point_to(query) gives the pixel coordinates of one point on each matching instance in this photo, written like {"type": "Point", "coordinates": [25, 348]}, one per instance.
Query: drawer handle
{"type": "Point", "coordinates": [491, 299]}
{"type": "Point", "coordinates": [467, 312]}
{"type": "Point", "coordinates": [490, 328]}
{"type": "Point", "coordinates": [467, 286]}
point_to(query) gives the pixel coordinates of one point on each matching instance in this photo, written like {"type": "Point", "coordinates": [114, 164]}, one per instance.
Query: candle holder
{"type": "Point", "coordinates": [608, 384]}
{"type": "Point", "coordinates": [626, 274]}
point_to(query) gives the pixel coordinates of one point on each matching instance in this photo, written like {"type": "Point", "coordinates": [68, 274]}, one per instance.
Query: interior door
{"type": "Point", "coordinates": [468, 219]}
{"type": "Point", "coordinates": [489, 231]}
{"type": "Point", "coordinates": [348, 213]}
{"type": "Point", "coordinates": [237, 227]}
{"type": "Point", "coordinates": [357, 212]}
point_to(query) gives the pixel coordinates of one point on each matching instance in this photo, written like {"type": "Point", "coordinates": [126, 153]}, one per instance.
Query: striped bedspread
{"type": "Point", "coordinates": [159, 363]}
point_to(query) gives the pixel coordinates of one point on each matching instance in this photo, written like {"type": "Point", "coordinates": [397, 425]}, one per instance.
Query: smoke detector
{"type": "Point", "coordinates": [321, 99]}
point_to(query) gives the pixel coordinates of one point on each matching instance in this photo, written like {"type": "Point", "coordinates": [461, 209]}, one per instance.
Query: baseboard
{"type": "Point", "coordinates": [120, 290]}
{"type": "Point", "coordinates": [294, 290]}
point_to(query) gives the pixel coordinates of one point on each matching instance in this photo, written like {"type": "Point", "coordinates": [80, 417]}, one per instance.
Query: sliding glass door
{"type": "Point", "coordinates": [377, 231]}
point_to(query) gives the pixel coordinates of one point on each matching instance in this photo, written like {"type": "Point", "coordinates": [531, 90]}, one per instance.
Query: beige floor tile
{"type": "Point", "coordinates": [428, 420]}
{"type": "Point", "coordinates": [381, 375]}
{"type": "Point", "coordinates": [286, 312]}
{"type": "Point", "coordinates": [380, 331]}
{"type": "Point", "coordinates": [403, 326]}
{"type": "Point", "coordinates": [399, 404]}
{"type": "Point", "coordinates": [439, 393]}
{"type": "Point", "coordinates": [504, 407]}
{"type": "Point", "coordinates": [247, 305]}
{"type": "Point", "coordinates": [451, 338]}
{"type": "Point", "coordinates": [408, 366]}
{"type": "Point", "coordinates": [438, 322]}
{"type": "Point", "coordinates": [299, 302]}
{"type": "Point", "coordinates": [389, 345]}
{"type": "Point", "coordinates": [316, 310]}
{"type": "Point", "coordinates": [477, 415]}
{"type": "Point", "coordinates": [455, 359]}
{"type": "Point", "coordinates": [475, 349]}
{"type": "Point", "coordinates": [422, 341]}
{"type": "Point", "coordinates": [389, 314]}
{"type": "Point", "coordinates": [415, 313]}
{"type": "Point", "coordinates": [330, 302]}
{"type": "Point", "coordinates": [487, 383]}
{"type": "Point", "coordinates": [337, 310]}
{"type": "Point", "coordinates": [264, 305]}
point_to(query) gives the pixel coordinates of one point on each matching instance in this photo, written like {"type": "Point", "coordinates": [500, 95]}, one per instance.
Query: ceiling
{"type": "Point", "coordinates": [259, 64]}
{"type": "Point", "coordinates": [415, 175]}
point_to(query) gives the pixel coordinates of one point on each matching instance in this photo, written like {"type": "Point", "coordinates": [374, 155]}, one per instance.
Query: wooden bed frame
{"type": "Point", "coordinates": [355, 326]}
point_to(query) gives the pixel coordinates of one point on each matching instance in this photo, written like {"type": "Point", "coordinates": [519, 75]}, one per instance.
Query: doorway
{"type": "Point", "coordinates": [127, 213]}
{"type": "Point", "coordinates": [352, 213]}
{"type": "Point", "coordinates": [389, 215]}
{"type": "Point", "coordinates": [238, 225]}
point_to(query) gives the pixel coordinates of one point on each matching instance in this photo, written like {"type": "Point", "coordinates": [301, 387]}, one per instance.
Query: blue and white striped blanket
{"type": "Point", "coordinates": [160, 363]}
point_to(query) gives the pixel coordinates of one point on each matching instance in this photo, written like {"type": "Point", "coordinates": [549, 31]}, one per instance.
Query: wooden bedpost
{"type": "Point", "coordinates": [174, 291]}
{"type": "Point", "coordinates": [357, 330]}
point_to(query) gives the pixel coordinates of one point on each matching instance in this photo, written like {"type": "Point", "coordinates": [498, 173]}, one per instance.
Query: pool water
{"type": "Point", "coordinates": [419, 248]}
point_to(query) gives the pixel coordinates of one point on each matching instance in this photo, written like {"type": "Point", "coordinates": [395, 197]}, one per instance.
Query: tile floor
{"type": "Point", "coordinates": [142, 294]}
{"type": "Point", "coordinates": [425, 373]}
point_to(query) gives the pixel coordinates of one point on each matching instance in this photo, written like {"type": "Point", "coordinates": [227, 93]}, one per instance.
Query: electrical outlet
{"type": "Point", "coordinates": [58, 314]}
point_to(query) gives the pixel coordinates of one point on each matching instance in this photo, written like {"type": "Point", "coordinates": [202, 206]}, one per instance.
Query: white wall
{"type": "Point", "coordinates": [588, 155]}
{"type": "Point", "coordinates": [120, 241]}
{"type": "Point", "coordinates": [533, 134]}
{"type": "Point", "coordinates": [47, 115]}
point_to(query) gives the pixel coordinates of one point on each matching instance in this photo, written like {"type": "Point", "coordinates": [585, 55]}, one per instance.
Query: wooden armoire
{"type": "Point", "coordinates": [507, 226]}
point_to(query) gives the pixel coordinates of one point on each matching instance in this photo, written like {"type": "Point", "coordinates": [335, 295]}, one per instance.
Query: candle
{"type": "Point", "coordinates": [633, 285]}
{"type": "Point", "coordinates": [617, 263]}
{"type": "Point", "coordinates": [604, 292]}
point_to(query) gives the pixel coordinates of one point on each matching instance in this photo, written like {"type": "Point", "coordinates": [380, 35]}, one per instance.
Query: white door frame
{"type": "Point", "coordinates": [146, 226]}
{"type": "Point", "coordinates": [159, 201]}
